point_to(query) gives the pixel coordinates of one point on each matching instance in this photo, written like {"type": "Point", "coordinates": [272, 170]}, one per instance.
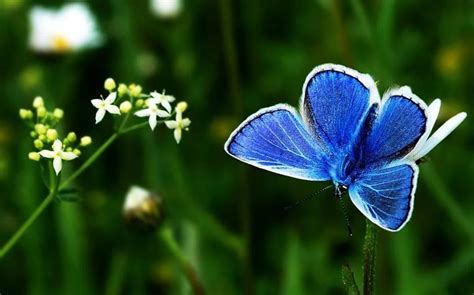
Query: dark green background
{"type": "Point", "coordinates": [228, 59]}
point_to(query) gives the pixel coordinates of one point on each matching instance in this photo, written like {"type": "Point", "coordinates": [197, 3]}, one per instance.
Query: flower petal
{"type": "Point", "coordinates": [96, 102]}
{"type": "Point", "coordinates": [177, 134]}
{"type": "Point", "coordinates": [441, 134]}
{"type": "Point", "coordinates": [152, 121]}
{"type": "Point", "coordinates": [46, 154]}
{"type": "Point", "coordinates": [113, 109]}
{"type": "Point", "coordinates": [111, 98]}
{"type": "Point", "coordinates": [68, 156]}
{"type": "Point", "coordinates": [166, 105]}
{"type": "Point", "coordinates": [162, 114]}
{"type": "Point", "coordinates": [171, 124]}
{"type": "Point", "coordinates": [57, 164]}
{"type": "Point", "coordinates": [169, 98]}
{"type": "Point", "coordinates": [142, 113]}
{"type": "Point", "coordinates": [99, 115]}
{"type": "Point", "coordinates": [57, 145]}
{"type": "Point", "coordinates": [186, 122]}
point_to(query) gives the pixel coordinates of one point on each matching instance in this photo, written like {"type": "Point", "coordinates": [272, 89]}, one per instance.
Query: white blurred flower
{"type": "Point", "coordinates": [135, 197]}
{"type": "Point", "coordinates": [57, 154]}
{"type": "Point", "coordinates": [105, 105]}
{"type": "Point", "coordinates": [178, 125]}
{"type": "Point", "coordinates": [161, 99]}
{"type": "Point", "coordinates": [152, 112]}
{"type": "Point", "coordinates": [427, 142]}
{"type": "Point", "coordinates": [70, 28]}
{"type": "Point", "coordinates": [166, 8]}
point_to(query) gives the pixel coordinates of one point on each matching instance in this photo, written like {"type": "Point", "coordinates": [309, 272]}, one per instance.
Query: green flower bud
{"type": "Point", "coordinates": [34, 156]}
{"type": "Point", "coordinates": [109, 84]}
{"type": "Point", "coordinates": [69, 149]}
{"type": "Point", "coordinates": [181, 106]}
{"type": "Point", "coordinates": [38, 144]}
{"type": "Point", "coordinates": [71, 137]}
{"type": "Point", "coordinates": [40, 129]}
{"type": "Point", "coordinates": [42, 137]}
{"type": "Point", "coordinates": [26, 114]}
{"type": "Point", "coordinates": [38, 102]}
{"type": "Point", "coordinates": [122, 89]}
{"type": "Point", "coordinates": [33, 134]}
{"type": "Point", "coordinates": [86, 140]}
{"type": "Point", "coordinates": [52, 134]}
{"type": "Point", "coordinates": [58, 113]}
{"type": "Point", "coordinates": [139, 103]}
{"type": "Point", "coordinates": [125, 107]}
{"type": "Point", "coordinates": [41, 112]}
{"type": "Point", "coordinates": [77, 152]}
{"type": "Point", "coordinates": [135, 90]}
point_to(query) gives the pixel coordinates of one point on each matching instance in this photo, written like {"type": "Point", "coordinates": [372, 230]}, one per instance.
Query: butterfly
{"type": "Point", "coordinates": [344, 132]}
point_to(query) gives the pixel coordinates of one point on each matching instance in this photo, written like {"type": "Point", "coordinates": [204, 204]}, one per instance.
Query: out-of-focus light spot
{"type": "Point", "coordinates": [166, 8]}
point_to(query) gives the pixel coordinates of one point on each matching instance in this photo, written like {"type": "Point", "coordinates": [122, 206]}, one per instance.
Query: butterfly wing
{"type": "Point", "coordinates": [399, 125]}
{"type": "Point", "coordinates": [335, 104]}
{"type": "Point", "coordinates": [386, 195]}
{"type": "Point", "coordinates": [275, 139]}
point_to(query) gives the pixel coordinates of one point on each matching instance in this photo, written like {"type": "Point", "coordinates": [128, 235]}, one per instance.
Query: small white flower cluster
{"type": "Point", "coordinates": [68, 29]}
{"type": "Point", "coordinates": [124, 99]}
{"type": "Point", "coordinates": [45, 135]}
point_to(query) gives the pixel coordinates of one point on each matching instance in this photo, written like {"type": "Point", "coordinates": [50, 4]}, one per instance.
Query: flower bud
{"type": "Point", "coordinates": [125, 107]}
{"type": "Point", "coordinates": [38, 102]}
{"type": "Point", "coordinates": [139, 103]}
{"type": "Point", "coordinates": [26, 114]}
{"type": "Point", "coordinates": [181, 106]}
{"type": "Point", "coordinates": [122, 89]}
{"type": "Point", "coordinates": [38, 144]}
{"type": "Point", "coordinates": [69, 149]}
{"type": "Point", "coordinates": [135, 90]}
{"type": "Point", "coordinates": [34, 156]}
{"type": "Point", "coordinates": [42, 137]}
{"type": "Point", "coordinates": [109, 84]}
{"type": "Point", "coordinates": [86, 140]}
{"type": "Point", "coordinates": [40, 129]}
{"type": "Point", "coordinates": [142, 209]}
{"type": "Point", "coordinates": [72, 137]}
{"type": "Point", "coordinates": [52, 134]}
{"type": "Point", "coordinates": [58, 113]}
{"type": "Point", "coordinates": [77, 152]}
{"type": "Point", "coordinates": [41, 112]}
{"type": "Point", "coordinates": [33, 134]}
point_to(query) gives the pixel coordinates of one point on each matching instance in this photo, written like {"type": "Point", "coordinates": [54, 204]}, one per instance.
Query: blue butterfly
{"type": "Point", "coordinates": [347, 134]}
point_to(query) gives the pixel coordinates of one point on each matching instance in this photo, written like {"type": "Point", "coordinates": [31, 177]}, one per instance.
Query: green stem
{"type": "Point", "coordinates": [349, 281]}
{"type": "Point", "coordinates": [370, 247]}
{"type": "Point", "coordinates": [166, 236]}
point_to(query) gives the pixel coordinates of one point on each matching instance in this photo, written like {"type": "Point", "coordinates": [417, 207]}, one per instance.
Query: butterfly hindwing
{"type": "Point", "coordinates": [399, 125]}
{"type": "Point", "coordinates": [335, 103]}
{"type": "Point", "coordinates": [275, 139]}
{"type": "Point", "coordinates": [385, 195]}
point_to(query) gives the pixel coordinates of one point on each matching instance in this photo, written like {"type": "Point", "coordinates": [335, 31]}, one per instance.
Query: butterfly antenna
{"type": "Point", "coordinates": [297, 203]}
{"type": "Point", "coordinates": [338, 192]}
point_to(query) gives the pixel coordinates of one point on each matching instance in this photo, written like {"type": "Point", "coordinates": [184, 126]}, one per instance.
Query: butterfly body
{"type": "Point", "coordinates": [346, 134]}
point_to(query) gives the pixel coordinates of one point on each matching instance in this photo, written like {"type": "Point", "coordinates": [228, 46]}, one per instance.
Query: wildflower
{"type": "Point", "coordinates": [181, 106]}
{"type": "Point", "coordinates": [109, 84]}
{"type": "Point", "coordinates": [135, 90]}
{"type": "Point", "coordinates": [34, 156]}
{"type": "Point", "coordinates": [122, 89]}
{"type": "Point", "coordinates": [142, 208]}
{"type": "Point", "coordinates": [58, 113]}
{"type": "Point", "coordinates": [57, 154]}
{"type": "Point", "coordinates": [86, 140]}
{"type": "Point", "coordinates": [105, 105]}
{"type": "Point", "coordinates": [152, 112]}
{"type": "Point", "coordinates": [70, 28]}
{"type": "Point", "coordinates": [427, 142]}
{"type": "Point", "coordinates": [178, 125]}
{"type": "Point", "coordinates": [161, 99]}
{"type": "Point", "coordinates": [125, 107]}
{"type": "Point", "coordinates": [38, 102]}
{"type": "Point", "coordinates": [166, 8]}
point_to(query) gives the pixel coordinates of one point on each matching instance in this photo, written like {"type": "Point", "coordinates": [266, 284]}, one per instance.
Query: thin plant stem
{"type": "Point", "coordinates": [166, 236]}
{"type": "Point", "coordinates": [349, 281]}
{"type": "Point", "coordinates": [370, 247]}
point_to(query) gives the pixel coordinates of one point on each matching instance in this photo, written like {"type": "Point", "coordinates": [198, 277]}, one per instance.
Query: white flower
{"type": "Point", "coordinates": [427, 142]}
{"type": "Point", "coordinates": [178, 125]}
{"type": "Point", "coordinates": [105, 105]}
{"type": "Point", "coordinates": [135, 197]}
{"type": "Point", "coordinates": [166, 8]}
{"type": "Point", "coordinates": [161, 99]}
{"type": "Point", "coordinates": [70, 28]}
{"type": "Point", "coordinates": [152, 112]}
{"type": "Point", "coordinates": [58, 154]}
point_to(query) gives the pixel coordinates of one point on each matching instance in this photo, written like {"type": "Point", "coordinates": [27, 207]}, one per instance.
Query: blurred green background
{"type": "Point", "coordinates": [228, 59]}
